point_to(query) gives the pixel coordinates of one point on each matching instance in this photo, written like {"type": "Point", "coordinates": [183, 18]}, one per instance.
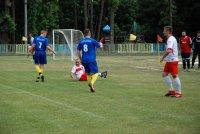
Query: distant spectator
{"type": "Point", "coordinates": [185, 47]}
{"type": "Point", "coordinates": [30, 42]}
{"type": "Point", "coordinates": [30, 37]}
{"type": "Point", "coordinates": [196, 49]}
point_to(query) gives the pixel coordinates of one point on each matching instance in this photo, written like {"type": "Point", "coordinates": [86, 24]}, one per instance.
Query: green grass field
{"type": "Point", "coordinates": [129, 101]}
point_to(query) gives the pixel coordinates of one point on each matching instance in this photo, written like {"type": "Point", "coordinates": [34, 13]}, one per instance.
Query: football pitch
{"type": "Point", "coordinates": [130, 100]}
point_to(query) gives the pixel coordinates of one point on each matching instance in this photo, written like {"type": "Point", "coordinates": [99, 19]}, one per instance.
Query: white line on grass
{"type": "Point", "coordinates": [148, 68]}
{"type": "Point", "coordinates": [56, 102]}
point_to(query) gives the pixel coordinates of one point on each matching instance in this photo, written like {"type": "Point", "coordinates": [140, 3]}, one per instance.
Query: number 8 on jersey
{"type": "Point", "coordinates": [85, 47]}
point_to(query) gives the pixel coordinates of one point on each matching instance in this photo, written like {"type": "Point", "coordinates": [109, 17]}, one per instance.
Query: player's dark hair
{"type": "Point", "coordinates": [86, 32]}
{"type": "Point", "coordinates": [198, 31]}
{"type": "Point", "coordinates": [169, 28]}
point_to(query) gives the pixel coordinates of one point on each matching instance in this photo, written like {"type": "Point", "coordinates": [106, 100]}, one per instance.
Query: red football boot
{"type": "Point", "coordinates": [170, 93]}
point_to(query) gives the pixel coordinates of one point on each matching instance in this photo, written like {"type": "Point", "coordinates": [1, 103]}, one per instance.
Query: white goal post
{"type": "Point", "coordinates": [65, 42]}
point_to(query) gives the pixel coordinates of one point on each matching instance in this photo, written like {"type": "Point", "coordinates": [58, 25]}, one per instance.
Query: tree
{"type": "Point", "coordinates": [126, 15]}
{"type": "Point", "coordinates": [187, 16]}
{"type": "Point", "coordinates": [42, 14]}
{"type": "Point", "coordinates": [100, 19]}
{"type": "Point", "coordinates": [152, 18]}
{"type": "Point", "coordinates": [86, 14]}
{"type": "Point", "coordinates": [91, 16]}
{"type": "Point", "coordinates": [7, 22]}
{"type": "Point", "coordinates": [113, 5]}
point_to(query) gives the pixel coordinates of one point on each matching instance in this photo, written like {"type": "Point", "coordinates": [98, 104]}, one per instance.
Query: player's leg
{"type": "Point", "coordinates": [177, 81]}
{"type": "Point", "coordinates": [89, 79]}
{"type": "Point", "coordinates": [94, 72]}
{"type": "Point", "coordinates": [195, 52]}
{"type": "Point", "coordinates": [42, 71]}
{"type": "Point", "coordinates": [42, 68]}
{"type": "Point", "coordinates": [43, 61]}
{"type": "Point", "coordinates": [87, 70]}
{"type": "Point", "coordinates": [188, 61]}
{"type": "Point", "coordinates": [174, 73]}
{"type": "Point", "coordinates": [183, 60]}
{"type": "Point", "coordinates": [168, 80]}
{"type": "Point", "coordinates": [38, 71]}
{"type": "Point", "coordinates": [37, 66]}
{"type": "Point", "coordinates": [94, 78]}
{"type": "Point", "coordinates": [89, 76]}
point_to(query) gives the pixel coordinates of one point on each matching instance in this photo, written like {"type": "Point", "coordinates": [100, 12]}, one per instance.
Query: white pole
{"type": "Point", "coordinates": [151, 47]}
{"type": "Point", "coordinates": [72, 49]}
{"type": "Point", "coordinates": [53, 45]}
{"type": "Point", "coordinates": [25, 19]}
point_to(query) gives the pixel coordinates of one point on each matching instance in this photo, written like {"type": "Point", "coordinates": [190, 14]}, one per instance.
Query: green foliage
{"type": "Point", "coordinates": [9, 22]}
{"type": "Point", "coordinates": [69, 11]}
{"type": "Point", "coordinates": [151, 15]}
{"type": "Point", "coordinates": [125, 15]}
{"type": "Point", "coordinates": [165, 13]}
{"type": "Point", "coordinates": [43, 14]}
{"type": "Point", "coordinates": [114, 3]}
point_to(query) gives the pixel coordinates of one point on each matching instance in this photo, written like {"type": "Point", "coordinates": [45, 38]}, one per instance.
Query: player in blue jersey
{"type": "Point", "coordinates": [40, 44]}
{"type": "Point", "coordinates": [87, 46]}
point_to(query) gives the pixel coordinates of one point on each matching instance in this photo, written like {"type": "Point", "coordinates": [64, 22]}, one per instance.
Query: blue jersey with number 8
{"type": "Point", "coordinates": [40, 43]}
{"type": "Point", "coordinates": [88, 47]}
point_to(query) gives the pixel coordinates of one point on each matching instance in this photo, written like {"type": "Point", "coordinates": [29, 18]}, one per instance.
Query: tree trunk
{"type": "Point", "coordinates": [112, 22]}
{"type": "Point", "coordinates": [100, 19]}
{"type": "Point", "coordinates": [76, 15]}
{"type": "Point", "coordinates": [91, 17]}
{"type": "Point", "coordinates": [5, 34]}
{"type": "Point", "coordinates": [170, 12]}
{"type": "Point", "coordinates": [85, 14]}
{"type": "Point", "coordinates": [13, 16]}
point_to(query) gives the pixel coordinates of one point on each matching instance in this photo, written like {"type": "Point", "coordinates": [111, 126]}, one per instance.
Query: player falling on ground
{"type": "Point", "coordinates": [40, 44]}
{"type": "Point", "coordinates": [78, 72]}
{"type": "Point", "coordinates": [171, 66]}
{"type": "Point", "coordinates": [185, 47]}
{"type": "Point", "coordinates": [88, 58]}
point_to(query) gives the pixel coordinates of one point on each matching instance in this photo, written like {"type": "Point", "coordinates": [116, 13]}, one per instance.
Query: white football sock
{"type": "Point", "coordinates": [168, 81]}
{"type": "Point", "coordinates": [178, 84]}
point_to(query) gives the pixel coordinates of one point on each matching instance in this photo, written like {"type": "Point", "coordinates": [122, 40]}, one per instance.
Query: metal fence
{"type": "Point", "coordinates": [115, 48]}
{"type": "Point", "coordinates": [140, 48]}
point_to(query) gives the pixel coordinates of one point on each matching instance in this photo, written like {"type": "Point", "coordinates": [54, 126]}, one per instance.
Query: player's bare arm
{"type": "Point", "coordinates": [165, 54]}
{"type": "Point", "coordinates": [50, 49]}
{"type": "Point", "coordinates": [73, 76]}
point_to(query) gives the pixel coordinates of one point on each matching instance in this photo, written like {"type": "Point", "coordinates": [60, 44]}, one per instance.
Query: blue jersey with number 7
{"type": "Point", "coordinates": [88, 47]}
{"type": "Point", "coordinates": [40, 43]}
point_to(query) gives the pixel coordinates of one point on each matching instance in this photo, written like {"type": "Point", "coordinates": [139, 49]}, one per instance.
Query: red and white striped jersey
{"type": "Point", "coordinates": [78, 71]}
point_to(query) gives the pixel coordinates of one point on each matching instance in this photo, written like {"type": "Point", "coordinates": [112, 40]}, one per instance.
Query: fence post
{"type": "Point", "coordinates": [151, 47]}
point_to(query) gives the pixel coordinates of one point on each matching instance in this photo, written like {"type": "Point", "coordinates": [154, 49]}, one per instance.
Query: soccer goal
{"type": "Point", "coordinates": [65, 42]}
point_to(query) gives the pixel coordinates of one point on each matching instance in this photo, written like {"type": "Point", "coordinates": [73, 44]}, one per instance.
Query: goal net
{"type": "Point", "coordinates": [65, 42]}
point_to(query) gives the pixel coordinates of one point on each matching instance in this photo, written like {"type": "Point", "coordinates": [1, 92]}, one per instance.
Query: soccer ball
{"type": "Point", "coordinates": [24, 39]}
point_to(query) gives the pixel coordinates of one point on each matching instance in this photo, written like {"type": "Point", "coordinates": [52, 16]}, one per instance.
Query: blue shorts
{"type": "Point", "coordinates": [91, 68]}
{"type": "Point", "coordinates": [40, 57]}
